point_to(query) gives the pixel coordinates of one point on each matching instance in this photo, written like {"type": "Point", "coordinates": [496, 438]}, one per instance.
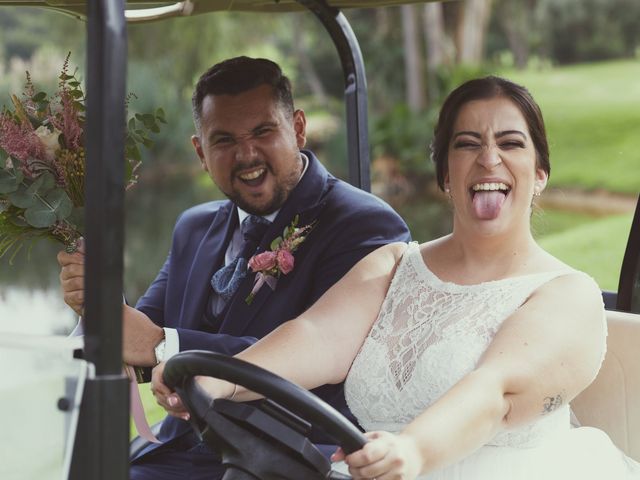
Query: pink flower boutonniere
{"type": "Point", "coordinates": [279, 260]}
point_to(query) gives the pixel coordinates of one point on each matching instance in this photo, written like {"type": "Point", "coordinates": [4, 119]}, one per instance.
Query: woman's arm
{"type": "Point", "coordinates": [318, 347]}
{"type": "Point", "coordinates": [541, 358]}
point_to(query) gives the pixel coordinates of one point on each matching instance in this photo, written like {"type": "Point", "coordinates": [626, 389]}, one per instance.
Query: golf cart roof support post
{"type": "Point", "coordinates": [103, 430]}
{"type": "Point", "coordinates": [106, 89]}
{"type": "Point", "coordinates": [355, 91]}
{"type": "Point", "coordinates": [629, 283]}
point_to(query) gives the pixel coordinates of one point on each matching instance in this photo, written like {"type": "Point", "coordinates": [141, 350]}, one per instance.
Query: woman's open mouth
{"type": "Point", "coordinates": [487, 198]}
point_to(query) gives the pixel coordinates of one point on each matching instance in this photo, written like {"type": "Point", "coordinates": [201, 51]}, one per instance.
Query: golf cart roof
{"type": "Point", "coordinates": [145, 10]}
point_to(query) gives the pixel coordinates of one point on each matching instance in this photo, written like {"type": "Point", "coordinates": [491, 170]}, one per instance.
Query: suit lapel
{"type": "Point", "coordinates": [208, 258]}
{"type": "Point", "coordinates": [305, 200]}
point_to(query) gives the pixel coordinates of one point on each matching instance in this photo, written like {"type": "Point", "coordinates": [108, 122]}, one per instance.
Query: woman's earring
{"type": "Point", "coordinates": [536, 193]}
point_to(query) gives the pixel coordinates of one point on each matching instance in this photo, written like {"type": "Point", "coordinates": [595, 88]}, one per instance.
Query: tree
{"type": "Point", "coordinates": [437, 45]}
{"type": "Point", "coordinates": [472, 25]}
{"type": "Point", "coordinates": [413, 60]}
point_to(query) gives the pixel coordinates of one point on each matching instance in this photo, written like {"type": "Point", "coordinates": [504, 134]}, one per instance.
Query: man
{"type": "Point", "coordinates": [249, 139]}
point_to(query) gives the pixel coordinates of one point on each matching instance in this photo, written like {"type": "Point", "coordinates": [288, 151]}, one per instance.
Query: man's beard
{"type": "Point", "coordinates": [281, 192]}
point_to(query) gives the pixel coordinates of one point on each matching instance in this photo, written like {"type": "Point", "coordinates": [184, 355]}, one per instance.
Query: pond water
{"type": "Point", "coordinates": [31, 301]}
{"type": "Point", "coordinates": [36, 312]}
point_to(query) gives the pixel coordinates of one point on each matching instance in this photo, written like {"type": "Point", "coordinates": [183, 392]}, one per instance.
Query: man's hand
{"type": "Point", "coordinates": [140, 336]}
{"type": "Point", "coordinates": [72, 277]}
{"type": "Point", "coordinates": [166, 398]}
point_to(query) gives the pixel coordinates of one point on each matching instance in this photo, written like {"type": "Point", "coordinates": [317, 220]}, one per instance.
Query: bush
{"type": "Point", "coordinates": [588, 30]}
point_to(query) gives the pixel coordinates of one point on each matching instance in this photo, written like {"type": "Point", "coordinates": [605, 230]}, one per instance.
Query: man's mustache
{"type": "Point", "coordinates": [248, 166]}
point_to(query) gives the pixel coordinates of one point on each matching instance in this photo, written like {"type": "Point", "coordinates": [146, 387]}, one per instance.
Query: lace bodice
{"type": "Point", "coordinates": [430, 334]}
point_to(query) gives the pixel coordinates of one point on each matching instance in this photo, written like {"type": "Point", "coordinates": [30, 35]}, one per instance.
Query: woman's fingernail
{"type": "Point", "coordinates": [186, 416]}
{"type": "Point", "coordinates": [172, 401]}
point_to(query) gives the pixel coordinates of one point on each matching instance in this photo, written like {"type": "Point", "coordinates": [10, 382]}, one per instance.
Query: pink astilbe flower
{"type": "Point", "coordinates": [67, 120]}
{"type": "Point", "coordinates": [19, 140]}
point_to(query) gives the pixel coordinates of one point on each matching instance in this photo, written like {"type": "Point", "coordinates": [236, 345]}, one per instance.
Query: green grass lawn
{"type": "Point", "coordinates": [592, 113]}
{"type": "Point", "coordinates": [596, 247]}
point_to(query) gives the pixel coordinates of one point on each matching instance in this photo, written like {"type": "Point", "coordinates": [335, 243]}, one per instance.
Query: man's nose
{"type": "Point", "coordinates": [245, 150]}
{"type": "Point", "coordinates": [489, 157]}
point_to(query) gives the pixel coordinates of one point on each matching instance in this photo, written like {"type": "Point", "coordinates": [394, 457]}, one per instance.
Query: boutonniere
{"type": "Point", "coordinates": [279, 260]}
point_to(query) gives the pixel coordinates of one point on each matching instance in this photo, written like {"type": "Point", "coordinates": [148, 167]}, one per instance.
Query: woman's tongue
{"type": "Point", "coordinates": [487, 204]}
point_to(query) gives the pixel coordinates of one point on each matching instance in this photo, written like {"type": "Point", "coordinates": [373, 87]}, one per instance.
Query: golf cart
{"type": "Point", "coordinates": [101, 441]}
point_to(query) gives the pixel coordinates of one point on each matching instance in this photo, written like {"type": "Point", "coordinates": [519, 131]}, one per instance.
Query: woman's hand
{"type": "Point", "coordinates": [385, 457]}
{"type": "Point", "coordinates": [216, 388]}
{"type": "Point", "coordinates": [166, 398]}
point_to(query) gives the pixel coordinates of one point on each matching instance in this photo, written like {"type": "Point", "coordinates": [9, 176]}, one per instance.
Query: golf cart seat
{"type": "Point", "coordinates": [612, 401]}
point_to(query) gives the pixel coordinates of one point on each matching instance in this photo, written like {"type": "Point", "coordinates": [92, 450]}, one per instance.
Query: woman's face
{"type": "Point", "coordinates": [492, 171]}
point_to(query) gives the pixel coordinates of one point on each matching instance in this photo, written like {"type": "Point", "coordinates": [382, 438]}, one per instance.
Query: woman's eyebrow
{"type": "Point", "coordinates": [510, 132]}
{"type": "Point", "coordinates": [466, 132]}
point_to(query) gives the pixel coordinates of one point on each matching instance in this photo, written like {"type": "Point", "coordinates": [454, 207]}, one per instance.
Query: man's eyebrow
{"type": "Point", "coordinates": [268, 123]}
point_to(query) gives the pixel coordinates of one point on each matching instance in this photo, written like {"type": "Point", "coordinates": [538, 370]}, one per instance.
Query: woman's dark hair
{"type": "Point", "coordinates": [238, 75]}
{"type": "Point", "coordinates": [484, 89]}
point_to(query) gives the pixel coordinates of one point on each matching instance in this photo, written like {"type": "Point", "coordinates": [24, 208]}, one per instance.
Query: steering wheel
{"type": "Point", "coordinates": [264, 440]}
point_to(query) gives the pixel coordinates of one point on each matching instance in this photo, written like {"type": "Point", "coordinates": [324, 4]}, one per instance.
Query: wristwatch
{"type": "Point", "coordinates": [158, 350]}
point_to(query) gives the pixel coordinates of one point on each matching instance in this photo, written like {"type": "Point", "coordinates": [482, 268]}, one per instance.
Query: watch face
{"type": "Point", "coordinates": [159, 351]}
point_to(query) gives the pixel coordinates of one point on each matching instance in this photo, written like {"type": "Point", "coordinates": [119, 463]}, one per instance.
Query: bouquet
{"type": "Point", "coordinates": [42, 162]}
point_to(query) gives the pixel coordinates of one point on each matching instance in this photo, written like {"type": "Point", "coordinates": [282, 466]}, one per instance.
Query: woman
{"type": "Point", "coordinates": [460, 355]}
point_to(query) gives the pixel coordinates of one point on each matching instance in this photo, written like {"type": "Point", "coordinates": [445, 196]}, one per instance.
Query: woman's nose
{"type": "Point", "coordinates": [489, 157]}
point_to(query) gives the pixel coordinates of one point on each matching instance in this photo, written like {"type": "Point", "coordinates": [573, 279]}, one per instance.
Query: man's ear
{"type": "Point", "coordinates": [300, 127]}
{"type": "Point", "coordinates": [197, 146]}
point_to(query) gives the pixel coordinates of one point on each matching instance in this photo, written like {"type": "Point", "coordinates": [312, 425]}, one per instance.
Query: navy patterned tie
{"type": "Point", "coordinates": [226, 281]}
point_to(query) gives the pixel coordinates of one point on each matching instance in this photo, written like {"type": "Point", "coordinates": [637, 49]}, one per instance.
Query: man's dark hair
{"type": "Point", "coordinates": [238, 75]}
{"type": "Point", "coordinates": [485, 89]}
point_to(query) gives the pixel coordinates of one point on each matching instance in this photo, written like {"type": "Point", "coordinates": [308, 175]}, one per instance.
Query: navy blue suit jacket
{"type": "Point", "coordinates": [349, 224]}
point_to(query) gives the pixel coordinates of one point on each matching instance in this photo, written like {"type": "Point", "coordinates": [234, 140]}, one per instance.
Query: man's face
{"type": "Point", "coordinates": [250, 146]}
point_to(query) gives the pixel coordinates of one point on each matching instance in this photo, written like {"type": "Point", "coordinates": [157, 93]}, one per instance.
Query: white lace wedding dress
{"type": "Point", "coordinates": [428, 335]}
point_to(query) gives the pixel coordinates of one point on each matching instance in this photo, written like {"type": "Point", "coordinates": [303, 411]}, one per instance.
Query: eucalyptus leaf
{"type": "Point", "coordinates": [23, 197]}
{"type": "Point", "coordinates": [54, 206]}
{"type": "Point", "coordinates": [18, 221]}
{"type": "Point", "coordinates": [47, 183]}
{"type": "Point", "coordinates": [37, 183]}
{"type": "Point", "coordinates": [9, 181]}
{"type": "Point", "coordinates": [39, 216]}
{"type": "Point", "coordinates": [61, 203]}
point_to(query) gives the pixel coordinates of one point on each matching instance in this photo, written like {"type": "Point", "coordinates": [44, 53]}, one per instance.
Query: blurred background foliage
{"type": "Point", "coordinates": [578, 57]}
